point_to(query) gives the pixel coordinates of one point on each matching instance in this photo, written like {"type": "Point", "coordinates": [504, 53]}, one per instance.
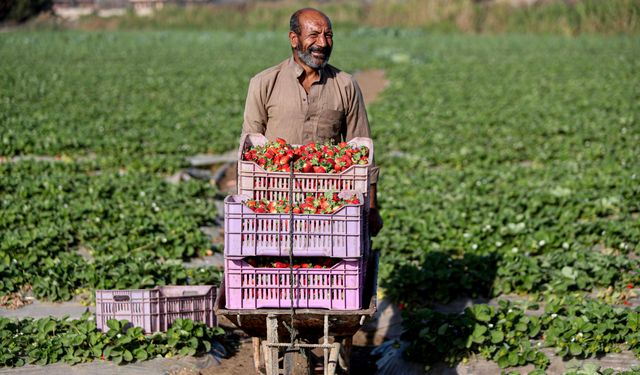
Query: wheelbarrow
{"type": "Point", "coordinates": [333, 329]}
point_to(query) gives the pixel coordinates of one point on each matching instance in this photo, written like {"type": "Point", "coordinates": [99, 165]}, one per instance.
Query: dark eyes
{"type": "Point", "coordinates": [326, 35]}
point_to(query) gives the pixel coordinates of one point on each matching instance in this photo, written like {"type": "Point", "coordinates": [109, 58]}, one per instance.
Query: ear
{"type": "Point", "coordinates": [293, 39]}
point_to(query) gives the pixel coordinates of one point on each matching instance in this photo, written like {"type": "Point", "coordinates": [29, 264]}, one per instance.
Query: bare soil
{"type": "Point", "coordinates": [371, 82]}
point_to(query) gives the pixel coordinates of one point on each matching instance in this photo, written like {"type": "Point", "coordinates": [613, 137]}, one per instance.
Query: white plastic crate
{"type": "Point", "coordinates": [342, 234]}
{"type": "Point", "coordinates": [257, 183]}
{"type": "Point", "coordinates": [154, 310]}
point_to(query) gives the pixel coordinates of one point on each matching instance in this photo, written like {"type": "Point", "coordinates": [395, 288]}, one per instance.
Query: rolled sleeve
{"type": "Point", "coordinates": [357, 123]}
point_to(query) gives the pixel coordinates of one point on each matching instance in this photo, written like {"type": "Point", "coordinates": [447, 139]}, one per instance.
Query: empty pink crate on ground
{"type": "Point", "coordinates": [335, 288]}
{"type": "Point", "coordinates": [257, 183]}
{"type": "Point", "coordinates": [154, 310]}
{"type": "Point", "coordinates": [342, 234]}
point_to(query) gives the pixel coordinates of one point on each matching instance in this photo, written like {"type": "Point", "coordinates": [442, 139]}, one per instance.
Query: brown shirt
{"type": "Point", "coordinates": [278, 106]}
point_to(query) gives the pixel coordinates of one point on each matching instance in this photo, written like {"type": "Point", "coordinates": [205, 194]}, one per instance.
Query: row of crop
{"type": "Point", "coordinates": [510, 165]}
{"type": "Point", "coordinates": [572, 326]}
{"type": "Point", "coordinates": [438, 276]}
{"type": "Point", "coordinates": [141, 101]}
{"type": "Point", "coordinates": [63, 230]}
{"type": "Point", "coordinates": [50, 340]}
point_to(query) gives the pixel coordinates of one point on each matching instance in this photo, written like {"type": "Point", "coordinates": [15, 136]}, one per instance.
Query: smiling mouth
{"type": "Point", "coordinates": [318, 55]}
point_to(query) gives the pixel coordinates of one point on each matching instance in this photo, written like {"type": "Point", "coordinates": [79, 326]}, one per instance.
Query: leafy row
{"type": "Point", "coordinates": [572, 326]}
{"type": "Point", "coordinates": [49, 340]}
{"type": "Point", "coordinates": [64, 230]}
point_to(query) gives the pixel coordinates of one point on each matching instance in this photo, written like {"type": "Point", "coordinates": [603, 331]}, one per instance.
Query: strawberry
{"type": "Point", "coordinates": [269, 154]}
{"type": "Point", "coordinates": [284, 160]}
{"type": "Point", "coordinates": [319, 169]}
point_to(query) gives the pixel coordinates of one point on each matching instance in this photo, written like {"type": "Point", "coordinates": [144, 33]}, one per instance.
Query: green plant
{"type": "Point", "coordinates": [48, 340]}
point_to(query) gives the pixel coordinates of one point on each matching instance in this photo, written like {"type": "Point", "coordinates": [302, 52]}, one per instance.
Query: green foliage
{"type": "Point", "coordinates": [535, 169]}
{"type": "Point", "coordinates": [509, 165]}
{"type": "Point", "coordinates": [561, 272]}
{"type": "Point", "coordinates": [502, 334]}
{"type": "Point", "coordinates": [593, 369]}
{"type": "Point", "coordinates": [48, 340]}
{"type": "Point", "coordinates": [136, 229]}
{"type": "Point", "coordinates": [573, 326]}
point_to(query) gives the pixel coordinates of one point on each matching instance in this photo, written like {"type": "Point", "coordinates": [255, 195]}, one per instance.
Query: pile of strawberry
{"type": "Point", "coordinates": [323, 204]}
{"type": "Point", "coordinates": [280, 262]}
{"type": "Point", "coordinates": [310, 158]}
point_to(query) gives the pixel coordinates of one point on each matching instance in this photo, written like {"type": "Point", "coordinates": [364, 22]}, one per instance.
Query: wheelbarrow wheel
{"type": "Point", "coordinates": [344, 358]}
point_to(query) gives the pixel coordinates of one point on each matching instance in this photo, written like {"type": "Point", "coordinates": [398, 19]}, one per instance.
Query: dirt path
{"type": "Point", "coordinates": [372, 82]}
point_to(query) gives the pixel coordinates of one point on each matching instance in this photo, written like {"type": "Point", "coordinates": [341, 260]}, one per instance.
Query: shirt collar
{"type": "Point", "coordinates": [298, 70]}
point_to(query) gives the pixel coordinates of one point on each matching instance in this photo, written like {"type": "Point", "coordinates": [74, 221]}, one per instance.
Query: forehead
{"type": "Point", "coordinates": [314, 21]}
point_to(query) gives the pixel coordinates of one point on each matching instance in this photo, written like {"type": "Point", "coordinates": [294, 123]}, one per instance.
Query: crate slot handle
{"type": "Point", "coordinates": [189, 293]}
{"type": "Point", "coordinates": [121, 298]}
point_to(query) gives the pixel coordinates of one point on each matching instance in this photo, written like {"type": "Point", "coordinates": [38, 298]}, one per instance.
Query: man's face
{"type": "Point", "coordinates": [313, 45]}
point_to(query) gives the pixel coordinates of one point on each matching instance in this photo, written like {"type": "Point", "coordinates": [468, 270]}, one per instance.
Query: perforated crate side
{"type": "Point", "coordinates": [155, 310]}
{"type": "Point", "coordinates": [193, 302]}
{"type": "Point", "coordinates": [342, 234]}
{"type": "Point", "coordinates": [138, 306]}
{"type": "Point", "coordinates": [257, 183]}
{"type": "Point", "coordinates": [337, 288]}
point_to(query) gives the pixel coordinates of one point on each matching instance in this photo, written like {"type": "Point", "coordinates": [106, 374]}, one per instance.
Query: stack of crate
{"type": "Point", "coordinates": [343, 236]}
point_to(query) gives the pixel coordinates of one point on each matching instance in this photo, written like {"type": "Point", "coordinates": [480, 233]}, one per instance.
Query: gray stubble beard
{"type": "Point", "coordinates": [307, 58]}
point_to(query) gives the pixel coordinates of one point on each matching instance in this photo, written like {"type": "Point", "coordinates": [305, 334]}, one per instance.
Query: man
{"type": "Point", "coordinates": [304, 99]}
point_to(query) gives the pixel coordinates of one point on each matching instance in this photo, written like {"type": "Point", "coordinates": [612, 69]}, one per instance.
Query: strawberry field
{"type": "Point", "coordinates": [510, 169]}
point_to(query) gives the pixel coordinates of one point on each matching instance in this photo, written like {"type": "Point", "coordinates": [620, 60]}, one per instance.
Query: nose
{"type": "Point", "coordinates": [321, 41]}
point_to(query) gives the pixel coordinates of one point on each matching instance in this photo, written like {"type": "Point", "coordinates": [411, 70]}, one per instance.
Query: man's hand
{"type": "Point", "coordinates": [375, 221]}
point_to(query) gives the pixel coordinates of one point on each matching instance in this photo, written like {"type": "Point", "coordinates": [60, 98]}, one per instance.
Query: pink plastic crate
{"type": "Point", "coordinates": [337, 288]}
{"type": "Point", "coordinates": [154, 310]}
{"type": "Point", "coordinates": [342, 234]}
{"type": "Point", "coordinates": [257, 183]}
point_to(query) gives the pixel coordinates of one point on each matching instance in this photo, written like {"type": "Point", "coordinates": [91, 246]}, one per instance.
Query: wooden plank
{"type": "Point", "coordinates": [271, 354]}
